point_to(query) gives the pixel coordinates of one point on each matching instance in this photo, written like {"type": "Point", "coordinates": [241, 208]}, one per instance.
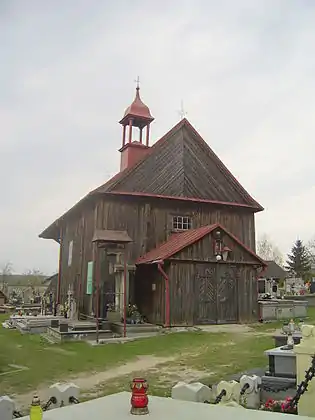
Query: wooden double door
{"type": "Point", "coordinates": [216, 293]}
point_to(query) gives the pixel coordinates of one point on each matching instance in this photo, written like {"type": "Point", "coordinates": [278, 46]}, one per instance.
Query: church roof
{"type": "Point", "coordinates": [111, 236]}
{"type": "Point", "coordinates": [179, 166]}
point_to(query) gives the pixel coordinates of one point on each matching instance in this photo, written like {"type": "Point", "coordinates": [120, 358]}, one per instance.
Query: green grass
{"type": "Point", "coordinates": [209, 357]}
{"type": "Point", "coordinates": [47, 365]}
{"type": "Point", "coordinates": [219, 356]}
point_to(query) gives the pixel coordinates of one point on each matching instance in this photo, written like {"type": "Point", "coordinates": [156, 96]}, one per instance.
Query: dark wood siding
{"type": "Point", "coordinates": [182, 293]}
{"type": "Point", "coordinates": [211, 293]}
{"type": "Point", "coordinates": [80, 230]}
{"type": "Point", "coordinates": [147, 221]}
{"type": "Point", "coordinates": [247, 294]}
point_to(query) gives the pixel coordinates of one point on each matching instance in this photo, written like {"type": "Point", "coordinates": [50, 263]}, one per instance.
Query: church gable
{"type": "Point", "coordinates": [181, 164]}
{"type": "Point", "coordinates": [206, 177]}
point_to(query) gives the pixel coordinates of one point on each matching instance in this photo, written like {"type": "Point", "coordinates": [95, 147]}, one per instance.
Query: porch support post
{"type": "Point", "coordinates": [59, 270]}
{"type": "Point", "coordinates": [167, 294]}
{"type": "Point", "coordinates": [97, 289]}
{"type": "Point", "coordinates": [259, 274]}
{"type": "Point", "coordinates": [125, 293]}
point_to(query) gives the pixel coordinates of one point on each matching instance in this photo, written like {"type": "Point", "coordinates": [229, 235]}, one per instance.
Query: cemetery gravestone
{"type": "Point", "coordinates": [63, 327]}
{"type": "Point", "coordinates": [282, 363]}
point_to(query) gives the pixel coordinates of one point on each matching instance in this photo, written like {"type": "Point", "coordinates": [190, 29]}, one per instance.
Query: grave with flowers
{"type": "Point", "coordinates": [258, 393]}
{"type": "Point", "coordinates": [135, 323]}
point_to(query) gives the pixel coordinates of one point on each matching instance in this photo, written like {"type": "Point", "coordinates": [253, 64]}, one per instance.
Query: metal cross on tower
{"type": "Point", "coordinates": [182, 113]}
{"type": "Point", "coordinates": [137, 81]}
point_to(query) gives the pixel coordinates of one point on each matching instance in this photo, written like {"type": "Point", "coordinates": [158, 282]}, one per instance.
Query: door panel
{"type": "Point", "coordinates": [206, 294]}
{"type": "Point", "coordinates": [216, 293]}
{"type": "Point", "coordinates": [227, 277]}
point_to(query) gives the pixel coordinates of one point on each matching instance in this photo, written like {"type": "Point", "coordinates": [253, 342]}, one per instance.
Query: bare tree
{"type": "Point", "coordinates": [33, 277]}
{"type": "Point", "coordinates": [5, 271]}
{"type": "Point", "coordinates": [268, 251]}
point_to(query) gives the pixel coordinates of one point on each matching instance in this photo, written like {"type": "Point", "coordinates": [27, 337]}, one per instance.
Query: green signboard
{"type": "Point", "coordinates": [89, 279]}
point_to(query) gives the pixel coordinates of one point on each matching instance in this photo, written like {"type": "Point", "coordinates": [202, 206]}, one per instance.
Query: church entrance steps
{"type": "Point", "coordinates": [76, 335]}
{"type": "Point", "coordinates": [136, 329]}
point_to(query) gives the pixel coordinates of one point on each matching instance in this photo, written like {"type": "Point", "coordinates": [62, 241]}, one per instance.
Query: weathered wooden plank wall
{"type": "Point", "coordinates": [241, 305]}
{"type": "Point", "coordinates": [182, 293]}
{"type": "Point", "coordinates": [148, 222]}
{"type": "Point", "coordinates": [80, 230]}
{"type": "Point", "coordinates": [247, 294]}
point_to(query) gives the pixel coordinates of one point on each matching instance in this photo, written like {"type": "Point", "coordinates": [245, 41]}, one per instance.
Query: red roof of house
{"type": "Point", "coordinates": [178, 241]}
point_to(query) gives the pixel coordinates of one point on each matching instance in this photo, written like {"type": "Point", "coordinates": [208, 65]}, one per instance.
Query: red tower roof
{"type": "Point", "coordinates": [137, 110]}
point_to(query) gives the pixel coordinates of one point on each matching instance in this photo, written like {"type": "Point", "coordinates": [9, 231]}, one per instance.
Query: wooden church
{"type": "Point", "coordinates": [173, 226]}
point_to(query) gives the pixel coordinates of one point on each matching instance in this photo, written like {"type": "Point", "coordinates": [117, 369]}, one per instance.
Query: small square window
{"type": "Point", "coordinates": [181, 222]}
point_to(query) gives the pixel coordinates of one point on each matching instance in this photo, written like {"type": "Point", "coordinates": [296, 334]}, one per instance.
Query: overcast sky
{"type": "Point", "coordinates": [244, 69]}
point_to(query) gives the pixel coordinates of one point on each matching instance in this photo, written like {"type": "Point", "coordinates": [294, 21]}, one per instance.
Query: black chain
{"type": "Point", "coordinates": [275, 389]}
{"type": "Point", "coordinates": [220, 396]}
{"type": "Point", "coordinates": [244, 389]}
{"type": "Point", "coordinates": [52, 400]}
{"type": "Point", "coordinates": [302, 388]}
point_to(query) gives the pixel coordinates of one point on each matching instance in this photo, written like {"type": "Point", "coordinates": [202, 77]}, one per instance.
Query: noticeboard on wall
{"type": "Point", "coordinates": [89, 279]}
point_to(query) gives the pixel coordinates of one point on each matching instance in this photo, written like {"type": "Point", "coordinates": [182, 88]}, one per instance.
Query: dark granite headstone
{"type": "Point", "coordinates": [105, 325]}
{"type": "Point", "coordinates": [54, 323]}
{"type": "Point", "coordinates": [63, 327]}
{"type": "Point", "coordinates": [281, 339]}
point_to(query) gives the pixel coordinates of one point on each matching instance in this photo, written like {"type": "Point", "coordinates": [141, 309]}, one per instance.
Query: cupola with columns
{"type": "Point", "coordinates": [137, 115]}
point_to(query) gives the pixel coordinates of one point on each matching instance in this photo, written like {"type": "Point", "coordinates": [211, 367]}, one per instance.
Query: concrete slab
{"type": "Point", "coordinates": [117, 406]}
{"type": "Point", "coordinates": [122, 340]}
{"type": "Point", "coordinates": [225, 328]}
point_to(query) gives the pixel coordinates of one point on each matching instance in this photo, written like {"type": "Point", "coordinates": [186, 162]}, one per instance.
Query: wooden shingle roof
{"type": "Point", "coordinates": [179, 166]}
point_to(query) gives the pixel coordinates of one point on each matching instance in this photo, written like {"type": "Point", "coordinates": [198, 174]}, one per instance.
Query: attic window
{"type": "Point", "coordinates": [181, 222]}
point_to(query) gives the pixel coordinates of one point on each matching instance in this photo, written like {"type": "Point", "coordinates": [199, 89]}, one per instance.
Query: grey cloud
{"type": "Point", "coordinates": [244, 70]}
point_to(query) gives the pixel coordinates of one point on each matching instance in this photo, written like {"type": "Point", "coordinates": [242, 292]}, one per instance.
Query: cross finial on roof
{"type": "Point", "coordinates": [137, 81]}
{"type": "Point", "coordinates": [182, 113]}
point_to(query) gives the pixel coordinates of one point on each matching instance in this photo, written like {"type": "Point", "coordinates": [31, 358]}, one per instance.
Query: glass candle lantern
{"type": "Point", "coordinates": [139, 398]}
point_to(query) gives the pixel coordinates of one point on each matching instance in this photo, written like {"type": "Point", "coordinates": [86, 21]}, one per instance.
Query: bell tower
{"type": "Point", "coordinates": [137, 115]}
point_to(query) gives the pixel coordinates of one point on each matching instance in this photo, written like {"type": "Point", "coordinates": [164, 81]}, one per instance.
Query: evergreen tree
{"type": "Point", "coordinates": [298, 262]}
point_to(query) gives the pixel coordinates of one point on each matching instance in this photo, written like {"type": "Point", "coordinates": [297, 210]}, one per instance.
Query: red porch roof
{"type": "Point", "coordinates": [178, 241]}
